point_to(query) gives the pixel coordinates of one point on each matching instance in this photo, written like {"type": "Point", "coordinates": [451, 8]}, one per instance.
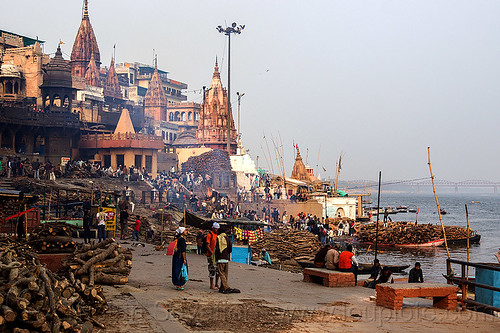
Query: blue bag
{"type": "Point", "coordinates": [183, 275]}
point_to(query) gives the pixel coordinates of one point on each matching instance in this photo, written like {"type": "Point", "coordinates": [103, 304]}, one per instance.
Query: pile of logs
{"type": "Point", "coordinates": [169, 236]}
{"type": "Point", "coordinates": [399, 233]}
{"type": "Point", "coordinates": [213, 161]}
{"type": "Point", "coordinates": [33, 299]}
{"type": "Point", "coordinates": [102, 263]}
{"type": "Point", "coordinates": [454, 232]}
{"type": "Point", "coordinates": [52, 237]}
{"type": "Point", "coordinates": [408, 233]}
{"type": "Point", "coordinates": [286, 246]}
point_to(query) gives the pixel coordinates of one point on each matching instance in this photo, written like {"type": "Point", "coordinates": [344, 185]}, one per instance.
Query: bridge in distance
{"type": "Point", "coordinates": [419, 183]}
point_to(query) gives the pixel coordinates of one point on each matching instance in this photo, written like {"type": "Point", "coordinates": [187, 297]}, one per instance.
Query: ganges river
{"type": "Point", "coordinates": [484, 217]}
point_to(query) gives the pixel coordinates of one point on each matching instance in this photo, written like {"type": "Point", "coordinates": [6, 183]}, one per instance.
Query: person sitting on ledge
{"type": "Point", "coordinates": [349, 263]}
{"type": "Point", "coordinates": [319, 259]}
{"type": "Point", "coordinates": [332, 258]}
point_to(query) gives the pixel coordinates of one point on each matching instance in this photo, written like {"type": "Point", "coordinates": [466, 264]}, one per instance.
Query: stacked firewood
{"type": "Point", "coordinates": [102, 263]}
{"type": "Point", "coordinates": [53, 237]}
{"type": "Point", "coordinates": [33, 299]}
{"type": "Point", "coordinates": [213, 161]}
{"type": "Point", "coordinates": [455, 232]}
{"type": "Point", "coordinates": [169, 236]}
{"type": "Point", "coordinates": [288, 246]}
{"type": "Point", "coordinates": [399, 233]}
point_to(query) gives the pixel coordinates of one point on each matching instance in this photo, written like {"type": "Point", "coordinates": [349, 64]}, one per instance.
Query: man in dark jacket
{"type": "Point", "coordinates": [416, 275]}
{"type": "Point", "coordinates": [223, 249]}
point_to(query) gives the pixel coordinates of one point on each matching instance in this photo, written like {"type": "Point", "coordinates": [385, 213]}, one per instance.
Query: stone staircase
{"type": "Point", "coordinates": [7, 184]}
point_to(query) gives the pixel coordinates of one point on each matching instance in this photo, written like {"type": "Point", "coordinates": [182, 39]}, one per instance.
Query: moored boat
{"type": "Point", "coordinates": [365, 268]}
{"type": "Point", "coordinates": [434, 243]}
{"type": "Point", "coordinates": [475, 239]}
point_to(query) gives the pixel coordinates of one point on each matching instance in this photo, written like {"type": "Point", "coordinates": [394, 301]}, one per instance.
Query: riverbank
{"type": "Point", "coordinates": [270, 301]}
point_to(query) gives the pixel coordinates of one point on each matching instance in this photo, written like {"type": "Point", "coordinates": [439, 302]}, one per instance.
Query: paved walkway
{"type": "Point", "coordinates": [140, 305]}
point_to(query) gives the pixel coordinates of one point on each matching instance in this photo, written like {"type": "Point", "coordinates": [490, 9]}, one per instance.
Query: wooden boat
{"type": "Point", "coordinates": [475, 239]}
{"type": "Point", "coordinates": [412, 209]}
{"type": "Point", "coordinates": [434, 243]}
{"type": "Point", "coordinates": [443, 212]}
{"type": "Point", "coordinates": [402, 209]}
{"type": "Point", "coordinates": [365, 268]}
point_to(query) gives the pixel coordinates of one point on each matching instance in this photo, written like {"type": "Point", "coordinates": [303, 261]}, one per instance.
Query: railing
{"type": "Point", "coordinates": [464, 282]}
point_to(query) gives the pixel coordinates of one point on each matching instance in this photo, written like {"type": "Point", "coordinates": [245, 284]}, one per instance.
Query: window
{"type": "Point", "coordinates": [120, 160]}
{"type": "Point", "coordinates": [138, 161]}
{"type": "Point", "coordinates": [149, 163]}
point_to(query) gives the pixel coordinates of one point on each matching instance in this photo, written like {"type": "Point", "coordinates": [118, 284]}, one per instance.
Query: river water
{"type": "Point", "coordinates": [484, 217]}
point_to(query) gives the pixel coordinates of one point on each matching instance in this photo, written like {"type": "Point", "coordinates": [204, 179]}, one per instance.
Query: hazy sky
{"type": "Point", "coordinates": [377, 80]}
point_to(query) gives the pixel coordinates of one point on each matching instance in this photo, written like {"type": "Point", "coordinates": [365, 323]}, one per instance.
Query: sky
{"type": "Point", "coordinates": [375, 81]}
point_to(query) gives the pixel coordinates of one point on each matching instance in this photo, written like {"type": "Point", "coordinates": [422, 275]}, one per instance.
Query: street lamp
{"type": "Point", "coordinates": [240, 95]}
{"type": "Point", "coordinates": [233, 29]}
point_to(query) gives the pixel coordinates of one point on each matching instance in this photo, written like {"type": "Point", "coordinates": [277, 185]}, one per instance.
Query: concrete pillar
{"type": "Point", "coordinates": [113, 161]}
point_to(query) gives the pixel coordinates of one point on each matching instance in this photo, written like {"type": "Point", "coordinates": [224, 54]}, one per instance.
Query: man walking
{"type": "Point", "coordinates": [137, 227]}
{"type": "Point", "coordinates": [101, 225]}
{"type": "Point", "coordinates": [123, 223]}
{"type": "Point", "coordinates": [223, 249]}
{"type": "Point", "coordinates": [211, 242]}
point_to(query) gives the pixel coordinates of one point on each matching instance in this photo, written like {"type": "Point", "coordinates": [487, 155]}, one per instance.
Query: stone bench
{"type": "Point", "coordinates": [330, 278]}
{"type": "Point", "coordinates": [391, 295]}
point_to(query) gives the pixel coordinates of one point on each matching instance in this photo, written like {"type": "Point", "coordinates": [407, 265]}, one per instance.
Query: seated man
{"type": "Point", "coordinates": [349, 263]}
{"type": "Point", "coordinates": [385, 276]}
{"type": "Point", "coordinates": [319, 259]}
{"type": "Point", "coordinates": [332, 258]}
{"type": "Point", "coordinates": [374, 273]}
{"type": "Point", "coordinates": [416, 275]}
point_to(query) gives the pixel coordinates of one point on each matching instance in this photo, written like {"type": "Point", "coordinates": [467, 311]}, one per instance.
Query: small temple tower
{"type": "Point", "coordinates": [111, 85]}
{"type": "Point", "coordinates": [92, 77]}
{"type": "Point", "coordinates": [85, 46]}
{"type": "Point", "coordinates": [299, 171]}
{"type": "Point", "coordinates": [155, 101]}
{"type": "Point", "coordinates": [212, 127]}
{"type": "Point", "coordinates": [57, 88]}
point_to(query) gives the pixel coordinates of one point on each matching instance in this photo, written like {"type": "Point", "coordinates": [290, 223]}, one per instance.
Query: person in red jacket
{"type": "Point", "coordinates": [137, 227]}
{"type": "Point", "coordinates": [349, 263]}
{"type": "Point", "coordinates": [211, 240]}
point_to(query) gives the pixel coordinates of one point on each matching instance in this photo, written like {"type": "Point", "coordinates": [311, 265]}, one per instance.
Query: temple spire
{"type": "Point", "coordinates": [216, 69]}
{"type": "Point", "coordinates": [85, 9]}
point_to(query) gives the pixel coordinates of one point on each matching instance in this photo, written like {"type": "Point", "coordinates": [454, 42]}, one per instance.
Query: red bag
{"type": "Point", "coordinates": [171, 248]}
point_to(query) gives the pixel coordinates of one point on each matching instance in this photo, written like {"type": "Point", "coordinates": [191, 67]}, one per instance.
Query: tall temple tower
{"type": "Point", "coordinates": [85, 46]}
{"type": "Point", "coordinates": [212, 127]}
{"type": "Point", "coordinates": [155, 101]}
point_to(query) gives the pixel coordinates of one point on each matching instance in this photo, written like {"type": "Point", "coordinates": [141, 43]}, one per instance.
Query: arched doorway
{"type": "Point", "coordinates": [340, 212]}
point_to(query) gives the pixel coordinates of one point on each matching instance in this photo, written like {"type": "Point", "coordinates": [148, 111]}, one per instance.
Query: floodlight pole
{"type": "Point", "coordinates": [233, 29]}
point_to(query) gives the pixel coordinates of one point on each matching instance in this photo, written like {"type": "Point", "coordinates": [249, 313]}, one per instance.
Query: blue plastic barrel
{"type": "Point", "coordinates": [241, 254]}
{"type": "Point", "coordinates": [491, 278]}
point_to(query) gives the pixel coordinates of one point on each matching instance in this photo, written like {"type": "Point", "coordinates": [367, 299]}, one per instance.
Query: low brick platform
{"type": "Point", "coordinates": [330, 278]}
{"type": "Point", "coordinates": [391, 295]}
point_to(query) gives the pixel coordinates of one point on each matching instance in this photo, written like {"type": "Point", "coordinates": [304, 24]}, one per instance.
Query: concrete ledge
{"type": "Point", "coordinates": [391, 295]}
{"type": "Point", "coordinates": [329, 278]}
